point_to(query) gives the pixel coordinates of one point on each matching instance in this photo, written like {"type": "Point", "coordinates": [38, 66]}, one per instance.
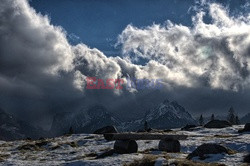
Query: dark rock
{"type": "Point", "coordinates": [204, 149]}
{"type": "Point", "coordinates": [169, 145]}
{"type": "Point", "coordinates": [246, 128]}
{"type": "Point", "coordinates": [41, 143]}
{"type": "Point", "coordinates": [188, 127]}
{"type": "Point", "coordinates": [217, 124]}
{"type": "Point", "coordinates": [29, 146]}
{"type": "Point", "coordinates": [106, 129]}
{"type": "Point", "coordinates": [125, 146]}
{"type": "Point", "coordinates": [28, 139]}
{"type": "Point", "coordinates": [167, 130]}
{"type": "Point", "coordinates": [247, 159]}
{"type": "Point", "coordinates": [106, 154]}
{"type": "Point", "coordinates": [149, 129]}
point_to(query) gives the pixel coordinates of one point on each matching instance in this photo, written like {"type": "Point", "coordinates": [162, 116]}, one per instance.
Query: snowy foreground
{"type": "Point", "coordinates": [81, 149]}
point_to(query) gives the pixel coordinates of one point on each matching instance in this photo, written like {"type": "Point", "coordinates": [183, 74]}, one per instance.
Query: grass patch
{"type": "Point", "coordinates": [225, 136]}
{"type": "Point", "coordinates": [184, 162]}
{"type": "Point", "coordinates": [148, 151]}
{"type": "Point", "coordinates": [29, 147]}
{"type": "Point", "coordinates": [147, 160]}
{"type": "Point", "coordinates": [3, 157]}
{"type": "Point", "coordinates": [93, 154]}
{"type": "Point", "coordinates": [55, 147]}
{"type": "Point", "coordinates": [72, 144]}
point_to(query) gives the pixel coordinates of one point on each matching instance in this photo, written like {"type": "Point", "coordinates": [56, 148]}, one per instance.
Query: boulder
{"type": "Point", "coordinates": [167, 130]}
{"type": "Point", "coordinates": [246, 128]}
{"type": "Point", "coordinates": [169, 145]}
{"type": "Point", "coordinates": [217, 124]}
{"type": "Point", "coordinates": [210, 148]}
{"type": "Point", "coordinates": [247, 159]}
{"type": "Point", "coordinates": [106, 129]}
{"type": "Point", "coordinates": [125, 146]}
{"type": "Point", "coordinates": [188, 127]}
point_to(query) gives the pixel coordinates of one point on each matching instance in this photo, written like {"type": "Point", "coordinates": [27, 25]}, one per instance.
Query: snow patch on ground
{"type": "Point", "coordinates": [81, 149]}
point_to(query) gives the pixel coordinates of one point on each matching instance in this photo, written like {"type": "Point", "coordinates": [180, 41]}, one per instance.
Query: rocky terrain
{"type": "Point", "coordinates": [84, 149]}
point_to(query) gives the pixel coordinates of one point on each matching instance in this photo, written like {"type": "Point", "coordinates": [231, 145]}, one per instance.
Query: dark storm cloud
{"type": "Point", "coordinates": [42, 74]}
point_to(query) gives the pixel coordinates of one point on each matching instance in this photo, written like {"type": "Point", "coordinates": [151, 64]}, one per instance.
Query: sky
{"type": "Point", "coordinates": [200, 51]}
{"type": "Point", "coordinates": [98, 23]}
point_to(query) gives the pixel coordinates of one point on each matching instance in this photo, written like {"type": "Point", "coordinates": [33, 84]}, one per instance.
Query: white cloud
{"type": "Point", "coordinates": [214, 55]}
{"type": "Point", "coordinates": [37, 63]}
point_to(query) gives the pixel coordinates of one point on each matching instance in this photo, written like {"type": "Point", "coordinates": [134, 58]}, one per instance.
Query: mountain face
{"type": "Point", "coordinates": [84, 121]}
{"type": "Point", "coordinates": [12, 128]}
{"type": "Point", "coordinates": [245, 119]}
{"type": "Point", "coordinates": [166, 115]}
{"type": "Point", "coordinates": [169, 115]}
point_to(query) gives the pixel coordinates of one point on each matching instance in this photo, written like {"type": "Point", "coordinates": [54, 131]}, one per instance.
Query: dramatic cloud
{"type": "Point", "coordinates": [41, 73]}
{"type": "Point", "coordinates": [213, 55]}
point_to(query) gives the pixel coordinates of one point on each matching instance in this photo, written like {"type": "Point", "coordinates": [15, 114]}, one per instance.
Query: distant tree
{"type": "Point", "coordinates": [71, 131]}
{"type": "Point", "coordinates": [212, 117]}
{"type": "Point", "coordinates": [146, 126]}
{"type": "Point", "coordinates": [231, 115]}
{"type": "Point", "coordinates": [237, 121]}
{"type": "Point", "coordinates": [201, 120]}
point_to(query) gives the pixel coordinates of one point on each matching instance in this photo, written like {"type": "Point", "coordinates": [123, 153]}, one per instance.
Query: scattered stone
{"type": "Point", "coordinates": [3, 157]}
{"type": "Point", "coordinates": [55, 147]}
{"type": "Point", "coordinates": [72, 144]}
{"type": "Point", "coordinates": [217, 124]}
{"type": "Point", "coordinates": [247, 159]}
{"type": "Point", "coordinates": [188, 127]}
{"type": "Point", "coordinates": [41, 143]}
{"type": "Point", "coordinates": [28, 139]}
{"type": "Point", "coordinates": [106, 129]}
{"type": "Point", "coordinates": [125, 146]}
{"type": "Point", "coordinates": [204, 149]}
{"type": "Point", "coordinates": [246, 128]}
{"type": "Point", "coordinates": [91, 154]}
{"type": "Point", "coordinates": [106, 154]}
{"type": "Point", "coordinates": [30, 147]}
{"type": "Point", "coordinates": [169, 145]}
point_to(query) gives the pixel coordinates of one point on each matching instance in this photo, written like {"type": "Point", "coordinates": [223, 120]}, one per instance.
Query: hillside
{"type": "Point", "coordinates": [82, 149]}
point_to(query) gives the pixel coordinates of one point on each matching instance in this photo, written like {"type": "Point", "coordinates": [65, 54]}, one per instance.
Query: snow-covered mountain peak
{"type": "Point", "coordinates": [168, 114]}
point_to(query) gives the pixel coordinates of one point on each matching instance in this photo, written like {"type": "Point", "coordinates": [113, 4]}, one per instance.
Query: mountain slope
{"type": "Point", "coordinates": [169, 115]}
{"type": "Point", "coordinates": [84, 121]}
{"type": "Point", "coordinates": [245, 119]}
{"type": "Point", "coordinates": [166, 115]}
{"type": "Point", "coordinates": [12, 128]}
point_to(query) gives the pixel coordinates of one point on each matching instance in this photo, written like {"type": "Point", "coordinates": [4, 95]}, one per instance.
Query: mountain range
{"type": "Point", "coordinates": [165, 115]}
